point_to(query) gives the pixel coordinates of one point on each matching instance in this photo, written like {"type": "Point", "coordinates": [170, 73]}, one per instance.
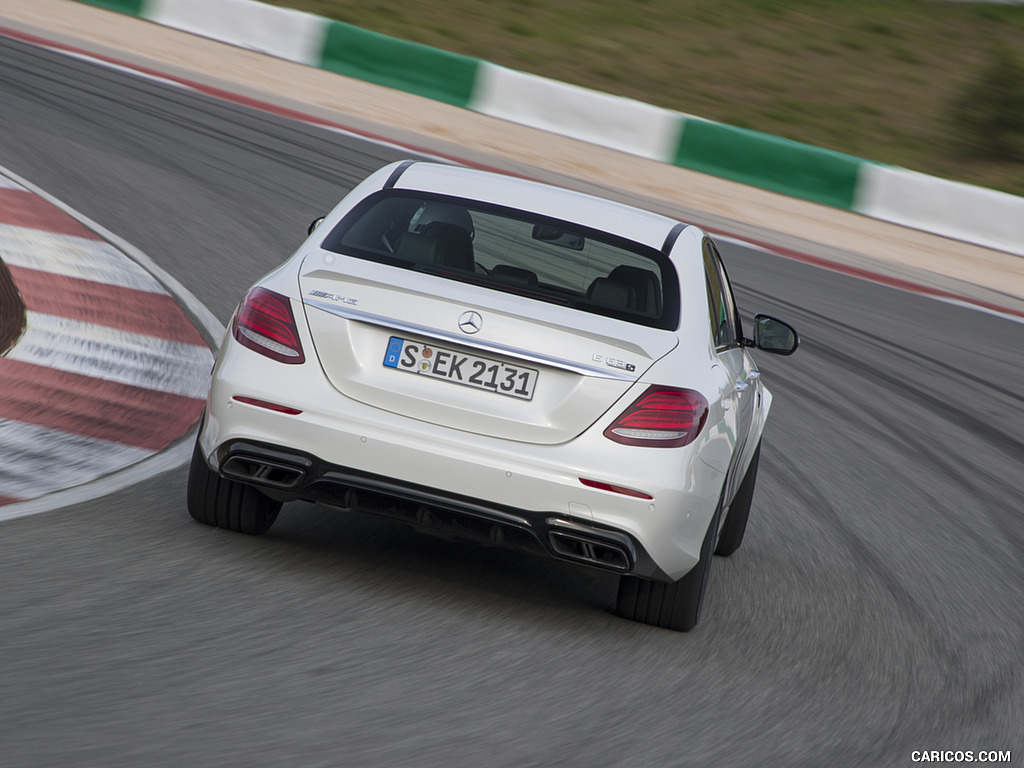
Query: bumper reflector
{"type": "Point", "coordinates": [269, 406]}
{"type": "Point", "coordinates": [615, 488]}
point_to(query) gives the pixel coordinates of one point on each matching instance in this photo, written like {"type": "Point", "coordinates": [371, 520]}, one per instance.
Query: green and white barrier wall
{"type": "Point", "coordinates": [961, 211]}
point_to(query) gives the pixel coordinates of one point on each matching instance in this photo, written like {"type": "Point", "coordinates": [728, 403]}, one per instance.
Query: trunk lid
{"type": "Point", "coordinates": [517, 369]}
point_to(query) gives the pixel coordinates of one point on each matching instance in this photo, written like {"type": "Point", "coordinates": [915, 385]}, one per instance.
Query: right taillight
{"type": "Point", "coordinates": [662, 417]}
{"type": "Point", "coordinates": [265, 324]}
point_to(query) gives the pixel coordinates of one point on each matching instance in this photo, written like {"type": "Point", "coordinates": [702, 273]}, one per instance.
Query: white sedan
{"type": "Point", "coordinates": [502, 360]}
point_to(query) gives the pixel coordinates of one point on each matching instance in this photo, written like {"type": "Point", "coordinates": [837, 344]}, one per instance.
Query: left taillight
{"type": "Point", "coordinates": [662, 417]}
{"type": "Point", "coordinates": [264, 323]}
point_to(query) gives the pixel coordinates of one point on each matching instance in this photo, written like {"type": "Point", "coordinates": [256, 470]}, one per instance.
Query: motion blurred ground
{"type": "Point", "coordinates": [854, 240]}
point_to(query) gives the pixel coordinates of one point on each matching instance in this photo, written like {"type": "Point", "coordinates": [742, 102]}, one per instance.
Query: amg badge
{"type": "Point", "coordinates": [614, 362]}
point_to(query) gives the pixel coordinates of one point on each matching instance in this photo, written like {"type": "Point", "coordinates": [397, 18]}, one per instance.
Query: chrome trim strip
{"type": "Point", "coordinates": [466, 341]}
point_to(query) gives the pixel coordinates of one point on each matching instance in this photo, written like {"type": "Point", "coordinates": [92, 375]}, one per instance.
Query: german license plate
{"type": "Point", "coordinates": [468, 370]}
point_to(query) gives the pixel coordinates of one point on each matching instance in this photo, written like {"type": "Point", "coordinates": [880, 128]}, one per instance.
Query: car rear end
{"type": "Point", "coordinates": [479, 356]}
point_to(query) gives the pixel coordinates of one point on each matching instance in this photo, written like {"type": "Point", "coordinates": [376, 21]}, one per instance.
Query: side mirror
{"type": "Point", "coordinates": [314, 224]}
{"type": "Point", "coordinates": [775, 336]}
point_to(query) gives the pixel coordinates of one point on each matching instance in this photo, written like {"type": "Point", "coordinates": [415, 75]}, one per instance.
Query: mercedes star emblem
{"type": "Point", "coordinates": [470, 322]}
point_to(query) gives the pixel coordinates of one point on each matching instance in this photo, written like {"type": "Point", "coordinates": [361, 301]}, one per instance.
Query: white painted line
{"type": "Point", "coordinates": [879, 279]}
{"type": "Point", "coordinates": [377, 142]}
{"type": "Point", "coordinates": [112, 354]}
{"type": "Point", "coordinates": [744, 244]}
{"type": "Point", "coordinates": [166, 460]}
{"type": "Point", "coordinates": [78, 257]}
{"type": "Point", "coordinates": [28, 469]}
{"type": "Point", "coordinates": [119, 67]}
{"type": "Point", "coordinates": [977, 307]}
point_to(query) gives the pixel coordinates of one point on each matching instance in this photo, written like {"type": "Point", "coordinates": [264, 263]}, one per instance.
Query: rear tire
{"type": "Point", "coordinates": [675, 605]}
{"type": "Point", "coordinates": [739, 511]}
{"type": "Point", "coordinates": [224, 503]}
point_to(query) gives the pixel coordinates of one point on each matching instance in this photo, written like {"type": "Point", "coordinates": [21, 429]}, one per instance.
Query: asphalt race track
{"type": "Point", "coordinates": [873, 610]}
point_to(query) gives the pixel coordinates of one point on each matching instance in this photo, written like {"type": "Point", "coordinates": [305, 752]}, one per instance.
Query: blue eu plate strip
{"type": "Point", "coordinates": [393, 353]}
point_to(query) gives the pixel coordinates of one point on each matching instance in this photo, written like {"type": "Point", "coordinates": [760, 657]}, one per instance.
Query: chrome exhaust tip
{"type": "Point", "coordinates": [590, 550]}
{"type": "Point", "coordinates": [257, 470]}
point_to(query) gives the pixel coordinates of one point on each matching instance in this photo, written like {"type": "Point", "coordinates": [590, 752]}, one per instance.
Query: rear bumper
{"type": "Point", "coordinates": [336, 446]}
{"type": "Point", "coordinates": [289, 475]}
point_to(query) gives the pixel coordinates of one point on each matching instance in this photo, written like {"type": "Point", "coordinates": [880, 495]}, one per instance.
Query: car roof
{"type": "Point", "coordinates": [597, 213]}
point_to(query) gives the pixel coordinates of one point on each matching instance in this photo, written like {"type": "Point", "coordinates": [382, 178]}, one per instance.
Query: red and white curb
{"type": "Point", "coordinates": [109, 372]}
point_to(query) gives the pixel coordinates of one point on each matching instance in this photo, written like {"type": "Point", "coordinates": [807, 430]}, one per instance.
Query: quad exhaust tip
{"type": "Point", "coordinates": [584, 549]}
{"type": "Point", "coordinates": [607, 550]}
{"type": "Point", "coordinates": [260, 471]}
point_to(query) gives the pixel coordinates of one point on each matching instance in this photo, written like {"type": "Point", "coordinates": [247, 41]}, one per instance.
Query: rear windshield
{"type": "Point", "coordinates": [514, 252]}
